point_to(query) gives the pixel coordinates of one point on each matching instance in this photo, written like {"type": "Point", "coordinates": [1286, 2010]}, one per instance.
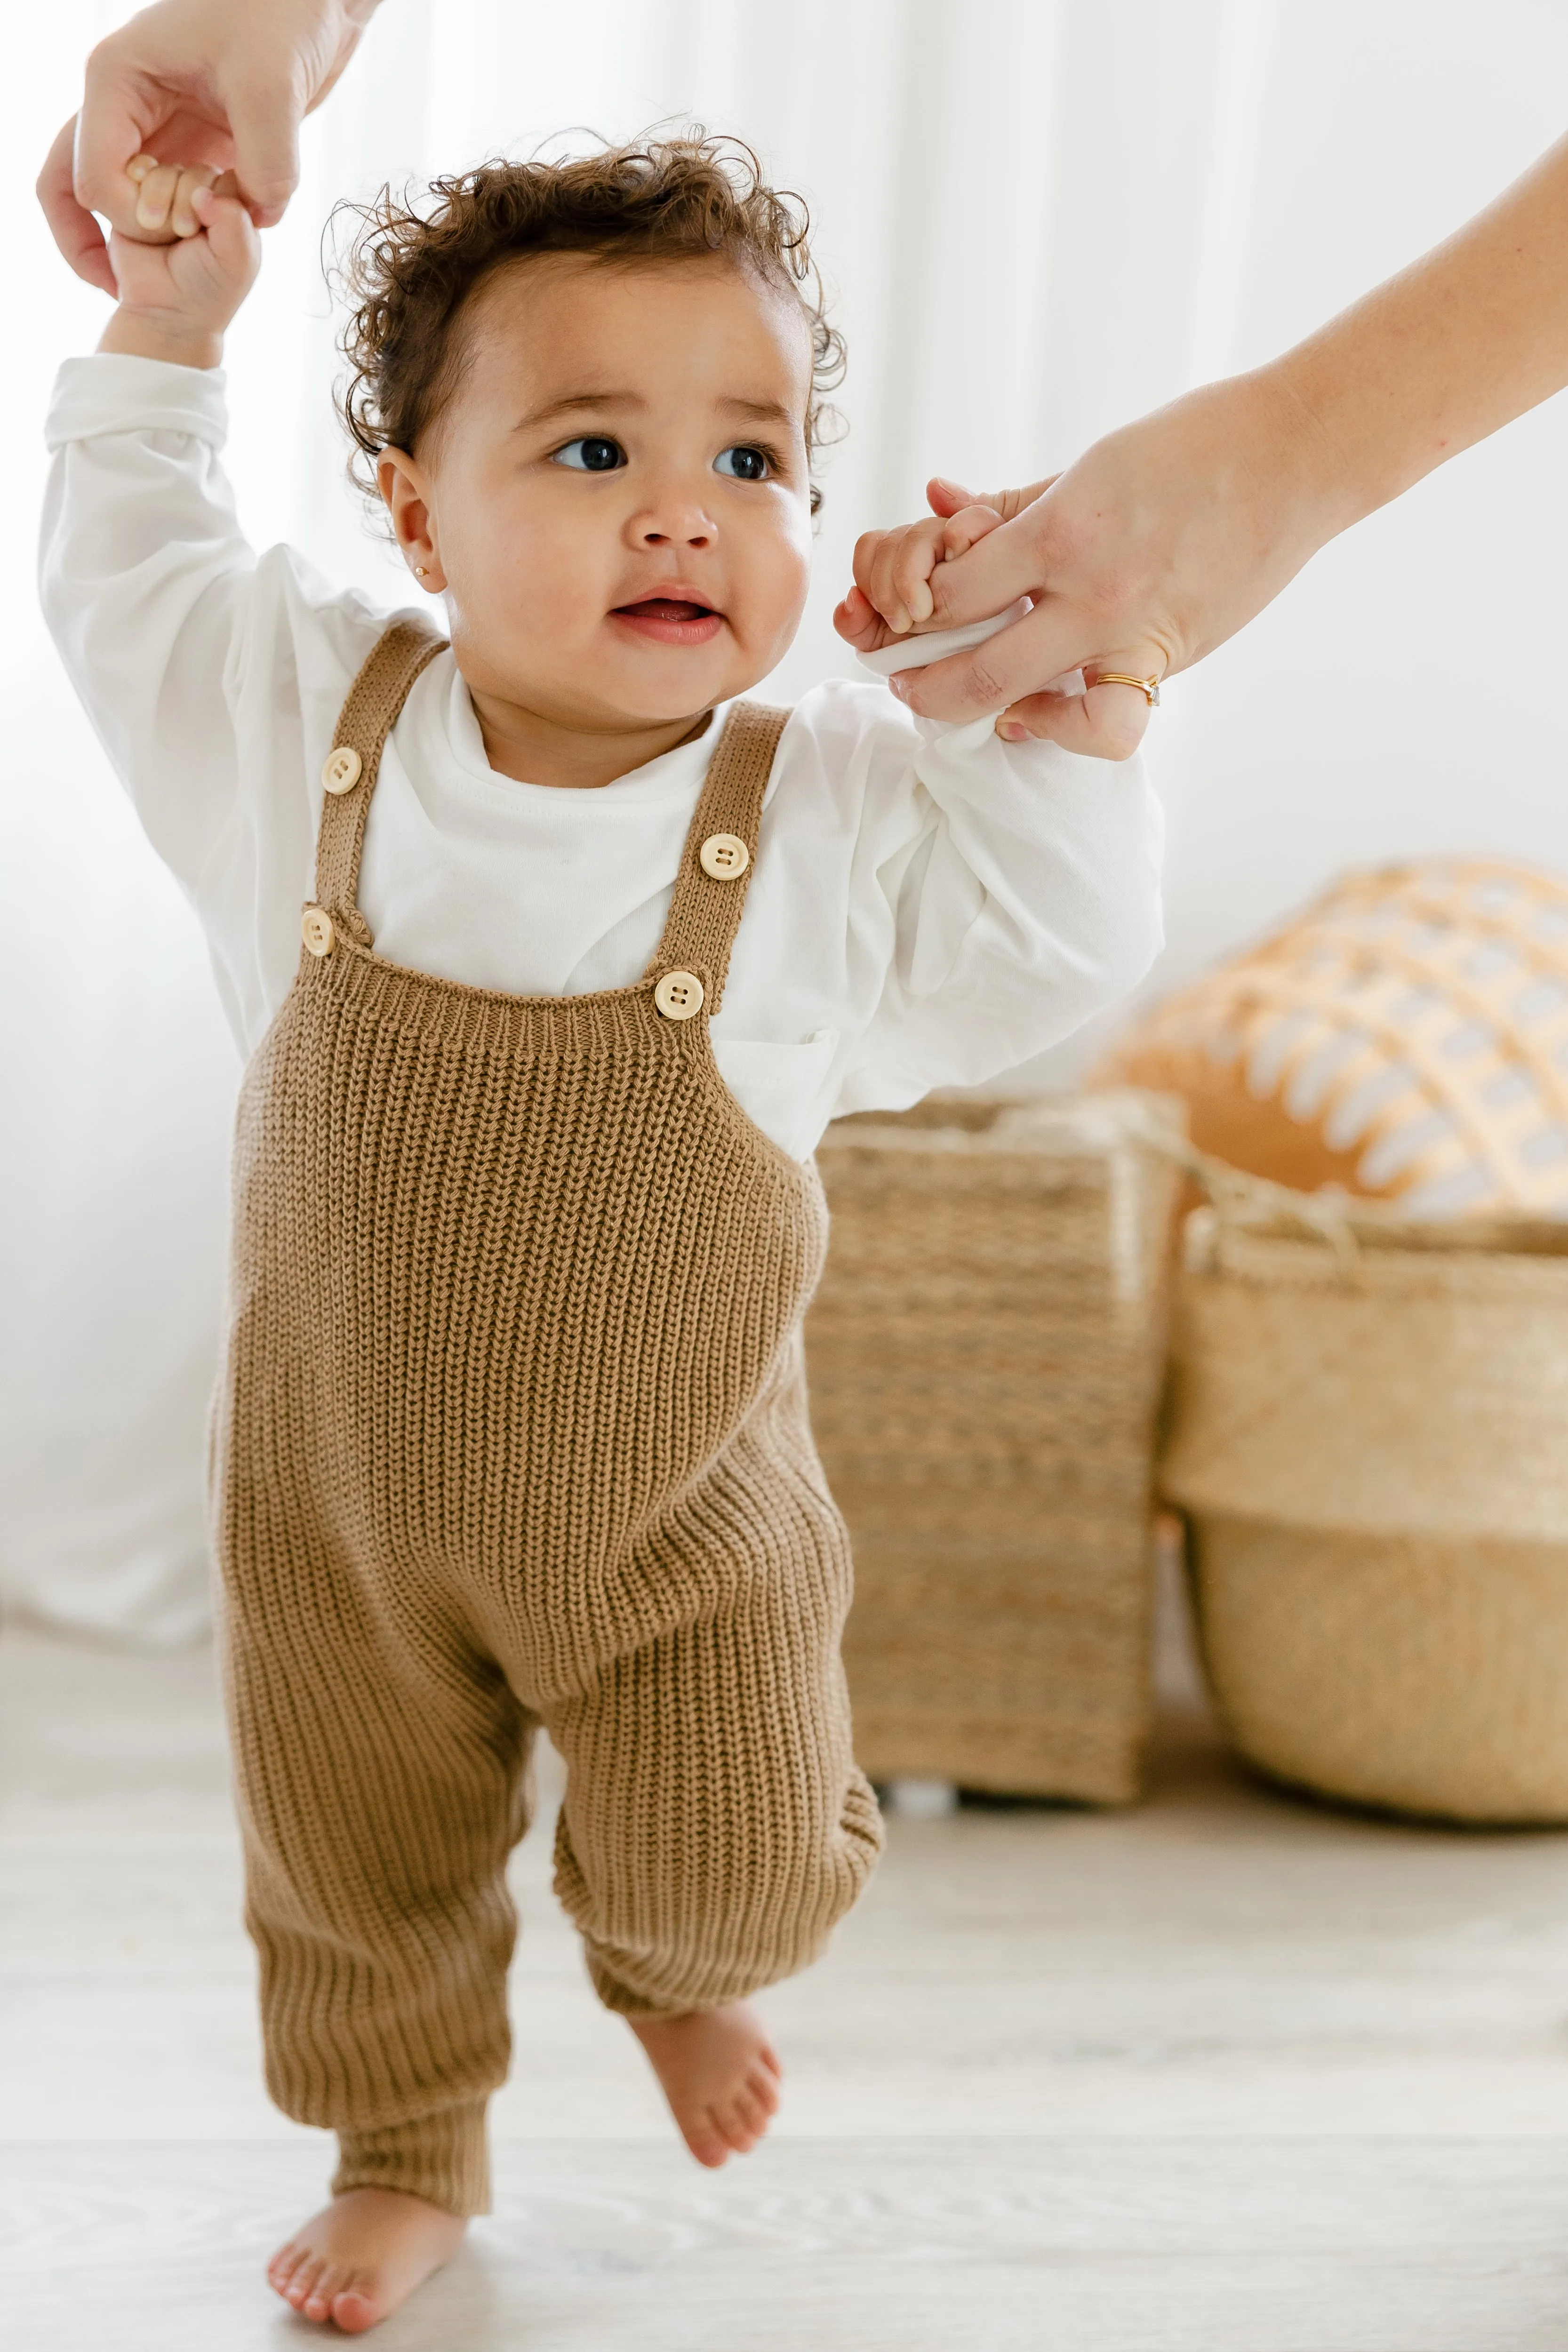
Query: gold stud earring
{"type": "Point", "coordinates": [420, 573]}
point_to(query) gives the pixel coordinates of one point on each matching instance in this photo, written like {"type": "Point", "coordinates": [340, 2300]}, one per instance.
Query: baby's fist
{"type": "Point", "coordinates": [892, 592]}
{"type": "Point", "coordinates": [176, 299]}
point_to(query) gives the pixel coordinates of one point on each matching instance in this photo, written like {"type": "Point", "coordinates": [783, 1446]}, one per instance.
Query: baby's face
{"type": "Point", "coordinates": [615, 497]}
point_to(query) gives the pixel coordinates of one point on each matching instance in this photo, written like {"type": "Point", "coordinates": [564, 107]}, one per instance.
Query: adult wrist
{"type": "Point", "coordinates": [133, 335]}
{"type": "Point", "coordinates": [1343, 472]}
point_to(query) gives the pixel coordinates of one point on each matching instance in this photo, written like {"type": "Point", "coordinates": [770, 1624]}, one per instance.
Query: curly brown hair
{"type": "Point", "coordinates": [413, 264]}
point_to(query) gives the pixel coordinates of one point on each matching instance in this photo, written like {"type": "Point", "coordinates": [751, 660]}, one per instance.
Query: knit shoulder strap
{"type": "Point", "coordinates": [365, 722]}
{"type": "Point", "coordinates": [705, 913]}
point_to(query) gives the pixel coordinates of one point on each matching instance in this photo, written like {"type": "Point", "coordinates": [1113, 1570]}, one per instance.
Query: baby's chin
{"type": "Point", "coordinates": [614, 678]}
{"type": "Point", "coordinates": [639, 692]}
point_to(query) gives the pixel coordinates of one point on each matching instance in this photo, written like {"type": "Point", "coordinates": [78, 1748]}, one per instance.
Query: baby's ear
{"type": "Point", "coordinates": [405, 494]}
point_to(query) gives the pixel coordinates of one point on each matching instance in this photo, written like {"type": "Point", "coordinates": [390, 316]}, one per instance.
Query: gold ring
{"type": "Point", "coordinates": [1149, 687]}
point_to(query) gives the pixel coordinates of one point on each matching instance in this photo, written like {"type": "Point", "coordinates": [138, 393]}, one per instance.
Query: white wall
{"type": "Point", "coordinates": [1041, 216]}
{"type": "Point", "coordinates": [1403, 694]}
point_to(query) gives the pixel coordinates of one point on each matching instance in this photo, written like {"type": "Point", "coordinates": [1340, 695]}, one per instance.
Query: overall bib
{"type": "Point", "coordinates": [514, 1431]}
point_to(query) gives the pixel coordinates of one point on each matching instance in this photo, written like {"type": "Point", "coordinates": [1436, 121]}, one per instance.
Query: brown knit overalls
{"type": "Point", "coordinates": [514, 1433]}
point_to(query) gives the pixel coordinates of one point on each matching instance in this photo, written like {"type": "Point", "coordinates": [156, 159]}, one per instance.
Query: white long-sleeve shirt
{"type": "Point", "coordinates": [930, 905]}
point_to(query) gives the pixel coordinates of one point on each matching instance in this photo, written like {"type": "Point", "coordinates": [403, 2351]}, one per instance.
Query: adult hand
{"type": "Point", "coordinates": [1165, 538]}
{"type": "Point", "coordinates": [205, 82]}
{"type": "Point", "coordinates": [1158, 545]}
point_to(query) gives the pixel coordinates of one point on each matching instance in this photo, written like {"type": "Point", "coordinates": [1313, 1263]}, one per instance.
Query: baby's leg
{"type": "Point", "coordinates": [381, 1770]}
{"type": "Point", "coordinates": [715, 1827]}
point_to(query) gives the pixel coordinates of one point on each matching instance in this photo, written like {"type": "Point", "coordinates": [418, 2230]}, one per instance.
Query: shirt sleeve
{"type": "Point", "coordinates": [1014, 889]}
{"type": "Point", "coordinates": [212, 675]}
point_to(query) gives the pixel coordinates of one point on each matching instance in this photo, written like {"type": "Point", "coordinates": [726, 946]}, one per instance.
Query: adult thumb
{"type": "Point", "coordinates": [264, 121]}
{"type": "Point", "coordinates": [945, 498]}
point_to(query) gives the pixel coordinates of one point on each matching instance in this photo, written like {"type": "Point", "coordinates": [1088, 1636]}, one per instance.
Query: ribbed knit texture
{"type": "Point", "coordinates": [514, 1432]}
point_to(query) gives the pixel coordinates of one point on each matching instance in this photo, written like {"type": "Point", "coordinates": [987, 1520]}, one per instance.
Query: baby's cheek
{"type": "Point", "coordinates": [519, 608]}
{"type": "Point", "coordinates": [538, 576]}
{"type": "Point", "coordinates": [769, 588]}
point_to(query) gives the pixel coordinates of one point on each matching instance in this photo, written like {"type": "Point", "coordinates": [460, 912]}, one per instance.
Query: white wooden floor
{"type": "Point", "coordinates": [1226, 2074]}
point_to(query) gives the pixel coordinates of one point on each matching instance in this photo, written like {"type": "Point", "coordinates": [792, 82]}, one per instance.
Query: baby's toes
{"type": "Point", "coordinates": [354, 2308]}
{"type": "Point", "coordinates": [745, 2121]}
{"type": "Point", "coordinates": [707, 2140]}
{"type": "Point", "coordinates": [330, 2281]}
{"type": "Point", "coordinates": [302, 2285]}
{"type": "Point", "coordinates": [762, 2083]}
{"type": "Point", "coordinates": [284, 2264]}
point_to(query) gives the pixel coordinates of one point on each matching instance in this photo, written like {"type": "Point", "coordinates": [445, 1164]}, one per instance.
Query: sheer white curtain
{"type": "Point", "coordinates": [1040, 216]}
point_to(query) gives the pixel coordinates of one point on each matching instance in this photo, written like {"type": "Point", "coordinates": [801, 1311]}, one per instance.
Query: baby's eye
{"type": "Point", "coordinates": [595, 453]}
{"type": "Point", "coordinates": [743, 464]}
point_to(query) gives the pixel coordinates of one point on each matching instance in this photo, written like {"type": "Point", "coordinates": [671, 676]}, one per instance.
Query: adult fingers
{"type": "Point", "coordinates": [1006, 672]}
{"type": "Point", "coordinates": [121, 114]}
{"type": "Point", "coordinates": [155, 196]}
{"type": "Point", "coordinates": [1108, 722]}
{"type": "Point", "coordinates": [72, 226]}
{"type": "Point", "coordinates": [945, 497]}
{"type": "Point", "coordinates": [1017, 662]}
{"type": "Point", "coordinates": [264, 117]}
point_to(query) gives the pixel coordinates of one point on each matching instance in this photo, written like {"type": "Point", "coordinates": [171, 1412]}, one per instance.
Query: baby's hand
{"type": "Point", "coordinates": [891, 597]}
{"type": "Point", "coordinates": [175, 300]}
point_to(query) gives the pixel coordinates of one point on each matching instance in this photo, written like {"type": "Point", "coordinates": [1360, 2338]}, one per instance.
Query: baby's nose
{"type": "Point", "coordinates": [677, 526]}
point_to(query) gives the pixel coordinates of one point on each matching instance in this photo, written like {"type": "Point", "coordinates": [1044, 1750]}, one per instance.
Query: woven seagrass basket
{"type": "Point", "coordinates": [986, 1354]}
{"type": "Point", "coordinates": [1369, 1436]}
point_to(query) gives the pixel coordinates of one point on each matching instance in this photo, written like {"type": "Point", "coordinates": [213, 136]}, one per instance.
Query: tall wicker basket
{"type": "Point", "coordinates": [986, 1355]}
{"type": "Point", "coordinates": [1369, 1436]}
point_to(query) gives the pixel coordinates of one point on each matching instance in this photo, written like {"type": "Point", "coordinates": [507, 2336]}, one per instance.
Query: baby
{"type": "Point", "coordinates": [551, 957]}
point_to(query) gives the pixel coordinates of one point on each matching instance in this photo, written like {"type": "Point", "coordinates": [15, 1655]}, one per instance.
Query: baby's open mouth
{"type": "Point", "coordinates": [666, 608]}
{"type": "Point", "coordinates": [671, 620]}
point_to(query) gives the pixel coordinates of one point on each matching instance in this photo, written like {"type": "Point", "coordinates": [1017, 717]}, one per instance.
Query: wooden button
{"type": "Point", "coordinates": [316, 929]}
{"type": "Point", "coordinates": [724, 856]}
{"type": "Point", "coordinates": [679, 995]}
{"type": "Point", "coordinates": [343, 769]}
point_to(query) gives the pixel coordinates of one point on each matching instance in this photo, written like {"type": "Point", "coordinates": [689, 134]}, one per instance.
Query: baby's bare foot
{"type": "Point", "coordinates": [363, 2255]}
{"type": "Point", "coordinates": [719, 2071]}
